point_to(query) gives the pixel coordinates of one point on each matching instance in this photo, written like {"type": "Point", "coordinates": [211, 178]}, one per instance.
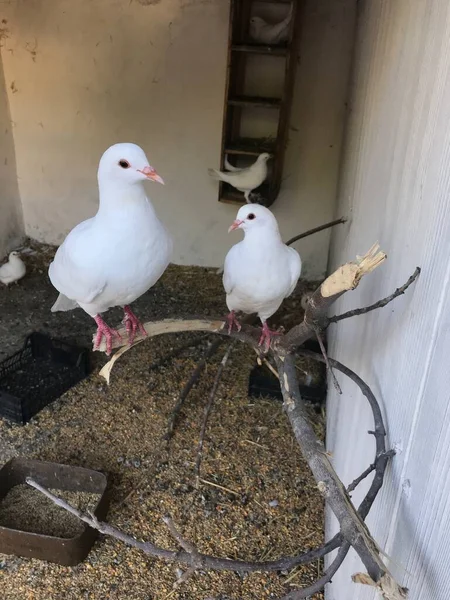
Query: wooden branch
{"type": "Point", "coordinates": [353, 531]}
{"type": "Point", "coordinates": [380, 304]}
{"type": "Point", "coordinates": [315, 230]}
{"type": "Point", "coordinates": [318, 585]}
{"type": "Point", "coordinates": [344, 279]}
{"type": "Point", "coordinates": [185, 557]}
{"type": "Point", "coordinates": [352, 526]}
{"type": "Point", "coordinates": [209, 406]}
{"type": "Point", "coordinates": [195, 376]}
{"type": "Point", "coordinates": [154, 328]}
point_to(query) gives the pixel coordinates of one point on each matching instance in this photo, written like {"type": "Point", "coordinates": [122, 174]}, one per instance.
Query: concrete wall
{"type": "Point", "coordinates": [11, 222]}
{"type": "Point", "coordinates": [83, 75]}
{"type": "Point", "coordinates": [396, 187]}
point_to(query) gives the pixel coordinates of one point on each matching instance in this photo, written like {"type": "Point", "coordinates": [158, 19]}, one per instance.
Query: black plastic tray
{"type": "Point", "coordinates": [38, 374]}
{"type": "Point", "coordinates": [63, 551]}
{"type": "Point", "coordinates": [263, 384]}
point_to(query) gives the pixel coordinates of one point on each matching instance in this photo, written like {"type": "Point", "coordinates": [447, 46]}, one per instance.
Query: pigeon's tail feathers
{"type": "Point", "coordinates": [215, 174]}
{"type": "Point", "coordinates": [63, 303]}
{"type": "Point", "coordinates": [231, 167]}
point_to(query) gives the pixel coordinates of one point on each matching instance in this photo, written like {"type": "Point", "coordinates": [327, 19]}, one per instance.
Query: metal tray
{"type": "Point", "coordinates": [63, 551]}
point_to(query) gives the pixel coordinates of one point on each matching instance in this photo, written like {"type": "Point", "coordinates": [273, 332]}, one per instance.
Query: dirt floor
{"type": "Point", "coordinates": [272, 507]}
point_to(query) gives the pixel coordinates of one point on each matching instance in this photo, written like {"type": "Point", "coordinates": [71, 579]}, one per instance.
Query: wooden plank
{"type": "Point", "coordinates": [251, 146]}
{"type": "Point", "coordinates": [258, 49]}
{"type": "Point", "coordinates": [249, 101]}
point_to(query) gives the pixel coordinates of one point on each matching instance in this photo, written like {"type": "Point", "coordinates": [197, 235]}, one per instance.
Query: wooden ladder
{"type": "Point", "coordinates": [241, 149]}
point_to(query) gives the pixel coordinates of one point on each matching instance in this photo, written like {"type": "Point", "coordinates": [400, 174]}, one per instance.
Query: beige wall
{"type": "Point", "coordinates": [11, 222]}
{"type": "Point", "coordinates": [82, 75]}
{"type": "Point", "coordinates": [396, 187]}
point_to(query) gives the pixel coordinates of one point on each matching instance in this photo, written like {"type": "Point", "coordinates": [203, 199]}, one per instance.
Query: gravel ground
{"type": "Point", "coordinates": [272, 507]}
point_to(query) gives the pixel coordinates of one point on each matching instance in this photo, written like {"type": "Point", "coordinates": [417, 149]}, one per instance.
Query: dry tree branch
{"type": "Point", "coordinates": [184, 557]}
{"type": "Point", "coordinates": [362, 311]}
{"type": "Point", "coordinates": [315, 230]}
{"type": "Point", "coordinates": [208, 408]}
{"type": "Point", "coordinates": [353, 531]}
{"type": "Point", "coordinates": [327, 362]}
{"type": "Point", "coordinates": [195, 376]}
{"type": "Point", "coordinates": [344, 279]}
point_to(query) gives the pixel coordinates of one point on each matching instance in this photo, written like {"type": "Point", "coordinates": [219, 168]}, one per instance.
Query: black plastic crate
{"type": "Point", "coordinates": [263, 383]}
{"type": "Point", "coordinates": [38, 374]}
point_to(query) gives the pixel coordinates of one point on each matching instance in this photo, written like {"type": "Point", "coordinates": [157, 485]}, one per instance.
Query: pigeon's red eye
{"type": "Point", "coordinates": [124, 164]}
{"type": "Point", "coordinates": [251, 216]}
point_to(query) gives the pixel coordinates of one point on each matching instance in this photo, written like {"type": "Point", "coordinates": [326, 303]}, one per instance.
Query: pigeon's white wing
{"type": "Point", "coordinates": [7, 270]}
{"type": "Point", "coordinates": [229, 267]}
{"type": "Point", "coordinates": [295, 267]}
{"type": "Point", "coordinates": [73, 271]}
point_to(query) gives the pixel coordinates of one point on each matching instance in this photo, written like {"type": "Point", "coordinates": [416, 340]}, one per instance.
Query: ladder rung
{"type": "Point", "coordinates": [254, 101]}
{"type": "Point", "coordinates": [250, 147]}
{"type": "Point", "coordinates": [259, 49]}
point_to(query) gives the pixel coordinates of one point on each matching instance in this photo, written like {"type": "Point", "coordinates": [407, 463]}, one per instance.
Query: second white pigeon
{"type": "Point", "coordinates": [245, 180]}
{"type": "Point", "coordinates": [116, 256]}
{"type": "Point", "coordinates": [13, 270]}
{"type": "Point", "coordinates": [260, 271]}
{"type": "Point", "coordinates": [270, 33]}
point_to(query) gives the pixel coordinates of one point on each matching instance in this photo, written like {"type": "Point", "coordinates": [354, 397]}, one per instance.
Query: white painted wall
{"type": "Point", "coordinates": [82, 75]}
{"type": "Point", "coordinates": [396, 188]}
{"type": "Point", "coordinates": [11, 222]}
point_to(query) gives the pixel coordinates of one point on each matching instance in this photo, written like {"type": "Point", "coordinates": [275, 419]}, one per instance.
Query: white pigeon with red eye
{"type": "Point", "coordinates": [120, 253]}
{"type": "Point", "coordinates": [261, 271]}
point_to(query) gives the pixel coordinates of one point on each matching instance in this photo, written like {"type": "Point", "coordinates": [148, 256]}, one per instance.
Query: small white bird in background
{"type": "Point", "coordinates": [116, 256]}
{"type": "Point", "coordinates": [270, 33]}
{"type": "Point", "coordinates": [244, 180]}
{"type": "Point", "coordinates": [13, 270]}
{"type": "Point", "coordinates": [259, 272]}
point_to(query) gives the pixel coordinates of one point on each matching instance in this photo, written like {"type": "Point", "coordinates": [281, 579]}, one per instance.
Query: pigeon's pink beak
{"type": "Point", "coordinates": [235, 225]}
{"type": "Point", "coordinates": [150, 173]}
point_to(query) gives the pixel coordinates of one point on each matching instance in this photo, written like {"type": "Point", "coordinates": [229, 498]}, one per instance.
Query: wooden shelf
{"type": "Point", "coordinates": [258, 49]}
{"type": "Point", "coordinates": [237, 117]}
{"type": "Point", "coordinates": [254, 101]}
{"type": "Point", "coordinates": [250, 147]}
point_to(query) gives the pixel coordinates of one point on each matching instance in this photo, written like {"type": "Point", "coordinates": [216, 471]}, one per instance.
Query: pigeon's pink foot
{"type": "Point", "coordinates": [104, 331]}
{"type": "Point", "coordinates": [266, 336]}
{"type": "Point", "coordinates": [132, 324]}
{"type": "Point", "coordinates": [233, 322]}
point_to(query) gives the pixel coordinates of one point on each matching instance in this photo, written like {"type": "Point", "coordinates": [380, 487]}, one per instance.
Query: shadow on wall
{"type": "Point", "coordinates": [11, 220]}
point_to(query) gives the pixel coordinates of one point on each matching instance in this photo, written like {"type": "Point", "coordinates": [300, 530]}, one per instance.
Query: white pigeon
{"type": "Point", "coordinates": [245, 180]}
{"type": "Point", "coordinates": [13, 270]}
{"type": "Point", "coordinates": [230, 167]}
{"type": "Point", "coordinates": [270, 33]}
{"type": "Point", "coordinates": [116, 256]}
{"type": "Point", "coordinates": [261, 271]}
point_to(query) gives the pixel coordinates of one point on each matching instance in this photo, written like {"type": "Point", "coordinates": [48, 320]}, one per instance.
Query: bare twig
{"type": "Point", "coordinates": [315, 230]}
{"type": "Point", "coordinates": [325, 356]}
{"type": "Point", "coordinates": [184, 557]}
{"type": "Point", "coordinates": [362, 311]}
{"type": "Point", "coordinates": [209, 406]}
{"type": "Point", "coordinates": [195, 376]}
{"type": "Point", "coordinates": [368, 471]}
{"type": "Point", "coordinates": [185, 544]}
